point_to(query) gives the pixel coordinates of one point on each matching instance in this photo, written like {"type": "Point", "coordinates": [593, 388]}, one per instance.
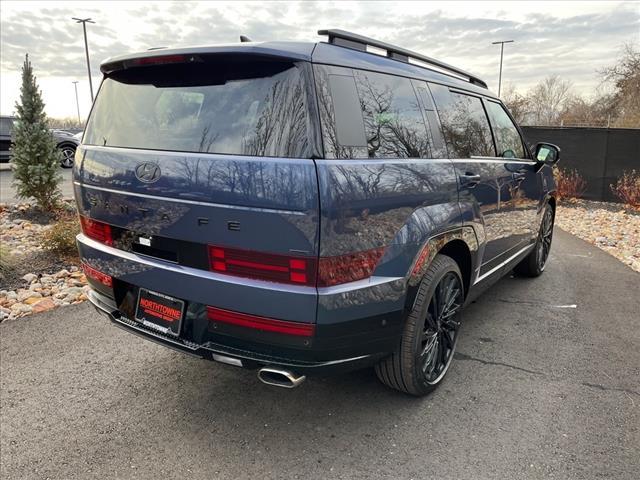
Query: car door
{"type": "Point", "coordinates": [525, 190]}
{"type": "Point", "coordinates": [486, 181]}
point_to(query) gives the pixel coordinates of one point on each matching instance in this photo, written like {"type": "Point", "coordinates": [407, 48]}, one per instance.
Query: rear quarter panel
{"type": "Point", "coordinates": [366, 204]}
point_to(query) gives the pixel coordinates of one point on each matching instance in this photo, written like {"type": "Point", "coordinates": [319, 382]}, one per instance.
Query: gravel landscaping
{"type": "Point", "coordinates": [36, 280]}
{"type": "Point", "coordinates": [610, 226]}
{"type": "Point", "coordinates": [40, 281]}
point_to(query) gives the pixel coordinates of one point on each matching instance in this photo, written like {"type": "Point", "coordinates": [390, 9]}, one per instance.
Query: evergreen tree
{"type": "Point", "coordinates": [34, 155]}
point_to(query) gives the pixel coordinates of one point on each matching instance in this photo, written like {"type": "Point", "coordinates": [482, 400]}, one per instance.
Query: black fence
{"type": "Point", "coordinates": [600, 155]}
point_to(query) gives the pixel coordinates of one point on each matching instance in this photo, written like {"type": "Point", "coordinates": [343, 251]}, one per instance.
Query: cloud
{"type": "Point", "coordinates": [571, 45]}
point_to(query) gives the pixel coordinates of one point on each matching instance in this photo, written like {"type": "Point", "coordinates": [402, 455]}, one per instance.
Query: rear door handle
{"type": "Point", "coordinates": [469, 179]}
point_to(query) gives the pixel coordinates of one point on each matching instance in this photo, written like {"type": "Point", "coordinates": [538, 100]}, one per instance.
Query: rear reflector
{"type": "Point", "coordinates": [263, 266]}
{"type": "Point", "coordinates": [422, 257]}
{"type": "Point", "coordinates": [96, 230]}
{"type": "Point", "coordinates": [348, 268]}
{"type": "Point", "coordinates": [97, 275]}
{"type": "Point", "coordinates": [260, 323]}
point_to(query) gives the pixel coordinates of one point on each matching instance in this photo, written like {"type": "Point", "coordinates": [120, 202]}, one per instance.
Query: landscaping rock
{"type": "Point", "coordinates": [31, 300]}
{"type": "Point", "coordinates": [23, 295]}
{"type": "Point", "coordinates": [30, 277]}
{"type": "Point", "coordinates": [43, 305]}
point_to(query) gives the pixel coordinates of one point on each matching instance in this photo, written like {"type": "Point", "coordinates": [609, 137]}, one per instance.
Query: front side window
{"type": "Point", "coordinates": [464, 123]}
{"type": "Point", "coordinates": [508, 141]}
{"type": "Point", "coordinates": [228, 106]}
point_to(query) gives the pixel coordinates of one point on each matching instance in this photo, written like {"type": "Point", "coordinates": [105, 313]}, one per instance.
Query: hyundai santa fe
{"type": "Point", "coordinates": [300, 208]}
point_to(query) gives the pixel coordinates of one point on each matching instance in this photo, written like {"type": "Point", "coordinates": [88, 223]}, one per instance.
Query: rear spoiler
{"type": "Point", "coordinates": [163, 56]}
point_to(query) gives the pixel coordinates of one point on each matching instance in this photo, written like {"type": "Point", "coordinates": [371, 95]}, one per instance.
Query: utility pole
{"type": "Point", "coordinates": [75, 84]}
{"type": "Point", "coordinates": [501, 56]}
{"type": "Point", "coordinates": [84, 22]}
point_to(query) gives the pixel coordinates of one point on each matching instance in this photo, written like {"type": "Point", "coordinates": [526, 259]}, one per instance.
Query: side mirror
{"type": "Point", "coordinates": [547, 153]}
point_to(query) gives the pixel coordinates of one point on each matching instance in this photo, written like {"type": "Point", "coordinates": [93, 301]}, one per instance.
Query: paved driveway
{"type": "Point", "coordinates": [8, 193]}
{"type": "Point", "coordinates": [539, 390]}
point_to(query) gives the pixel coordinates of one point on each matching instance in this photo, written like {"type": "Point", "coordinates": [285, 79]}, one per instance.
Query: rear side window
{"type": "Point", "coordinates": [231, 106]}
{"type": "Point", "coordinates": [393, 122]}
{"type": "Point", "coordinates": [508, 141]}
{"type": "Point", "coordinates": [464, 123]}
{"type": "Point", "coordinates": [370, 115]}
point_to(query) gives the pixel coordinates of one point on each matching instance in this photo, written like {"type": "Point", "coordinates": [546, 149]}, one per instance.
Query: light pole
{"type": "Point", "coordinates": [75, 84]}
{"type": "Point", "coordinates": [84, 22]}
{"type": "Point", "coordinates": [501, 56]}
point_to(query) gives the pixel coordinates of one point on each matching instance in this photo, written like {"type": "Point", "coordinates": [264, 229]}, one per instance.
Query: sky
{"type": "Point", "coordinates": [570, 39]}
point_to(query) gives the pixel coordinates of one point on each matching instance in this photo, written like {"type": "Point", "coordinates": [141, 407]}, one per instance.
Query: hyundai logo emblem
{"type": "Point", "coordinates": [148, 172]}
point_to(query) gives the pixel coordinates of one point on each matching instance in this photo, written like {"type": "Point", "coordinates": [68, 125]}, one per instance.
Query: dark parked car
{"type": "Point", "coordinates": [65, 141]}
{"type": "Point", "coordinates": [6, 129]}
{"type": "Point", "coordinates": [305, 207]}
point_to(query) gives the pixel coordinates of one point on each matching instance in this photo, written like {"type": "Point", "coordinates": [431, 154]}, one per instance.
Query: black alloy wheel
{"type": "Point", "coordinates": [430, 333]}
{"type": "Point", "coordinates": [533, 264]}
{"type": "Point", "coordinates": [441, 326]}
{"type": "Point", "coordinates": [543, 245]}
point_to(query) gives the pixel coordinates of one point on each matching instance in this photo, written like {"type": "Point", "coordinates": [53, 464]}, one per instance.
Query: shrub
{"type": "Point", "coordinates": [627, 188]}
{"type": "Point", "coordinates": [34, 154]}
{"type": "Point", "coordinates": [569, 183]}
{"type": "Point", "coordinates": [61, 237]}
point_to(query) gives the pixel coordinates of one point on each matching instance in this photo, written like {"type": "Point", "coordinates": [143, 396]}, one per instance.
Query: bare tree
{"type": "Point", "coordinates": [624, 77]}
{"type": "Point", "coordinates": [586, 112]}
{"type": "Point", "coordinates": [548, 100]}
{"type": "Point", "coordinates": [517, 104]}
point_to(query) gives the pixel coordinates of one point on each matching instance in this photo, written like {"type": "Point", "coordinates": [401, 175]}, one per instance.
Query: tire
{"type": "Point", "coordinates": [68, 153]}
{"type": "Point", "coordinates": [533, 264]}
{"type": "Point", "coordinates": [424, 354]}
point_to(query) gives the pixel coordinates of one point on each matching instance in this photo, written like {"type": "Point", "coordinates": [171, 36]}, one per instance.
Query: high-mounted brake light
{"type": "Point", "coordinates": [261, 323]}
{"type": "Point", "coordinates": [96, 230]}
{"type": "Point", "coordinates": [159, 60]}
{"type": "Point", "coordinates": [264, 266]}
{"type": "Point", "coordinates": [97, 275]}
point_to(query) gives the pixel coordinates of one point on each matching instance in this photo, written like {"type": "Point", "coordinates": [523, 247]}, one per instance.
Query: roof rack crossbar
{"type": "Point", "coordinates": [360, 42]}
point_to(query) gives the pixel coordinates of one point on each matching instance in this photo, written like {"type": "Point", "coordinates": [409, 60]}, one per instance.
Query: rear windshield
{"type": "Point", "coordinates": [241, 106]}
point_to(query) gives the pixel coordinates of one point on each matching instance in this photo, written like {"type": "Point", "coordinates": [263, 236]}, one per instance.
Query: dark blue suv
{"type": "Point", "coordinates": [305, 207]}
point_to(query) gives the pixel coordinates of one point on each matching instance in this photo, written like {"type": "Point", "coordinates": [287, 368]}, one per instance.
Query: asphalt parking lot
{"type": "Point", "coordinates": [546, 385]}
{"type": "Point", "coordinates": [8, 193]}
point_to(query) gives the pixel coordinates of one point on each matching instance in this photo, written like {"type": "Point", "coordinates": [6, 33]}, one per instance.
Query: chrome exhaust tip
{"type": "Point", "coordinates": [280, 378]}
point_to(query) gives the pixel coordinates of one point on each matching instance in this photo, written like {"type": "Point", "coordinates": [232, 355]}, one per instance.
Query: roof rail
{"type": "Point", "coordinates": [359, 42]}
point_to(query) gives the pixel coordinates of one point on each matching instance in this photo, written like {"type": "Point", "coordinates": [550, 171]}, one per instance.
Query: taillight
{"type": "Point", "coordinates": [264, 266]}
{"type": "Point", "coordinates": [348, 268]}
{"type": "Point", "coordinates": [296, 270]}
{"type": "Point", "coordinates": [97, 275]}
{"type": "Point", "coordinates": [260, 323]}
{"type": "Point", "coordinates": [96, 230]}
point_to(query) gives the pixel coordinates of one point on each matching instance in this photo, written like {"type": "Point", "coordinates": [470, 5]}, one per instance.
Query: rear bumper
{"type": "Point", "coordinates": [224, 353]}
{"type": "Point", "coordinates": [360, 324]}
